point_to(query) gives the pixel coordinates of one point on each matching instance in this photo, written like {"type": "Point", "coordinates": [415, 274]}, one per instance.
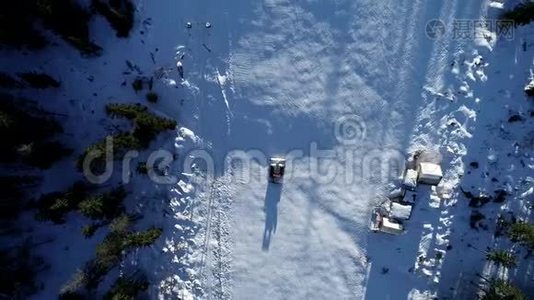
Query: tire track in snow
{"type": "Point", "coordinates": [204, 66]}
{"type": "Point", "coordinates": [438, 62]}
{"type": "Point", "coordinates": [396, 31]}
{"type": "Point", "coordinates": [409, 46]}
{"type": "Point", "coordinates": [435, 72]}
{"type": "Point", "coordinates": [215, 265]}
{"type": "Point", "coordinates": [207, 231]}
{"type": "Point", "coordinates": [222, 259]}
{"type": "Point", "coordinates": [410, 41]}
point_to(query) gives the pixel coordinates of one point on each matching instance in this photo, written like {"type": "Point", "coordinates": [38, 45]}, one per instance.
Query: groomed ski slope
{"type": "Point", "coordinates": [276, 76]}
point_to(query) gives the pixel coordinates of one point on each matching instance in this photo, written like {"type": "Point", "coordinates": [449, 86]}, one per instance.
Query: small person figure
{"type": "Point", "coordinates": [188, 25]}
{"type": "Point", "coordinates": [180, 69]}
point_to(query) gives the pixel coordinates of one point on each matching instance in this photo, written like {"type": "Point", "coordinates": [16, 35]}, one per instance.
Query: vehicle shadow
{"type": "Point", "coordinates": [272, 197]}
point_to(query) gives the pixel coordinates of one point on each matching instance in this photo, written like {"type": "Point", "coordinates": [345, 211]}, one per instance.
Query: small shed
{"type": "Point", "coordinates": [429, 173]}
{"type": "Point", "coordinates": [400, 211]}
{"type": "Point", "coordinates": [410, 180]}
{"type": "Point", "coordinates": [397, 193]}
{"type": "Point", "coordinates": [389, 226]}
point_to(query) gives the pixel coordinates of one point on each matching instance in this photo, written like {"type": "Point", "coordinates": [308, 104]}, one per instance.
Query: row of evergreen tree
{"type": "Point", "coordinates": [522, 14]}
{"type": "Point", "coordinates": [23, 23]}
{"type": "Point", "coordinates": [33, 140]}
{"type": "Point", "coordinates": [521, 233]}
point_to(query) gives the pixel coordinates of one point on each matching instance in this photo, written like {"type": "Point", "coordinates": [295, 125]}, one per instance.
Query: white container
{"type": "Point", "coordinates": [429, 173]}
{"type": "Point", "coordinates": [400, 211]}
{"type": "Point", "coordinates": [389, 226]}
{"type": "Point", "coordinates": [410, 180]}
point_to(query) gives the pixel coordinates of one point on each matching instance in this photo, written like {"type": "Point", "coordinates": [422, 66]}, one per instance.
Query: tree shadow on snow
{"type": "Point", "coordinates": [464, 263]}
{"type": "Point", "coordinates": [272, 197]}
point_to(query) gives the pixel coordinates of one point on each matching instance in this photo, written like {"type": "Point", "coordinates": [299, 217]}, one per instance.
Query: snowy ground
{"type": "Point", "coordinates": [278, 77]}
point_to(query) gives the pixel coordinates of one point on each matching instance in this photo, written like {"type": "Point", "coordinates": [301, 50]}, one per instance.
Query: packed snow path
{"type": "Point", "coordinates": [272, 77]}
